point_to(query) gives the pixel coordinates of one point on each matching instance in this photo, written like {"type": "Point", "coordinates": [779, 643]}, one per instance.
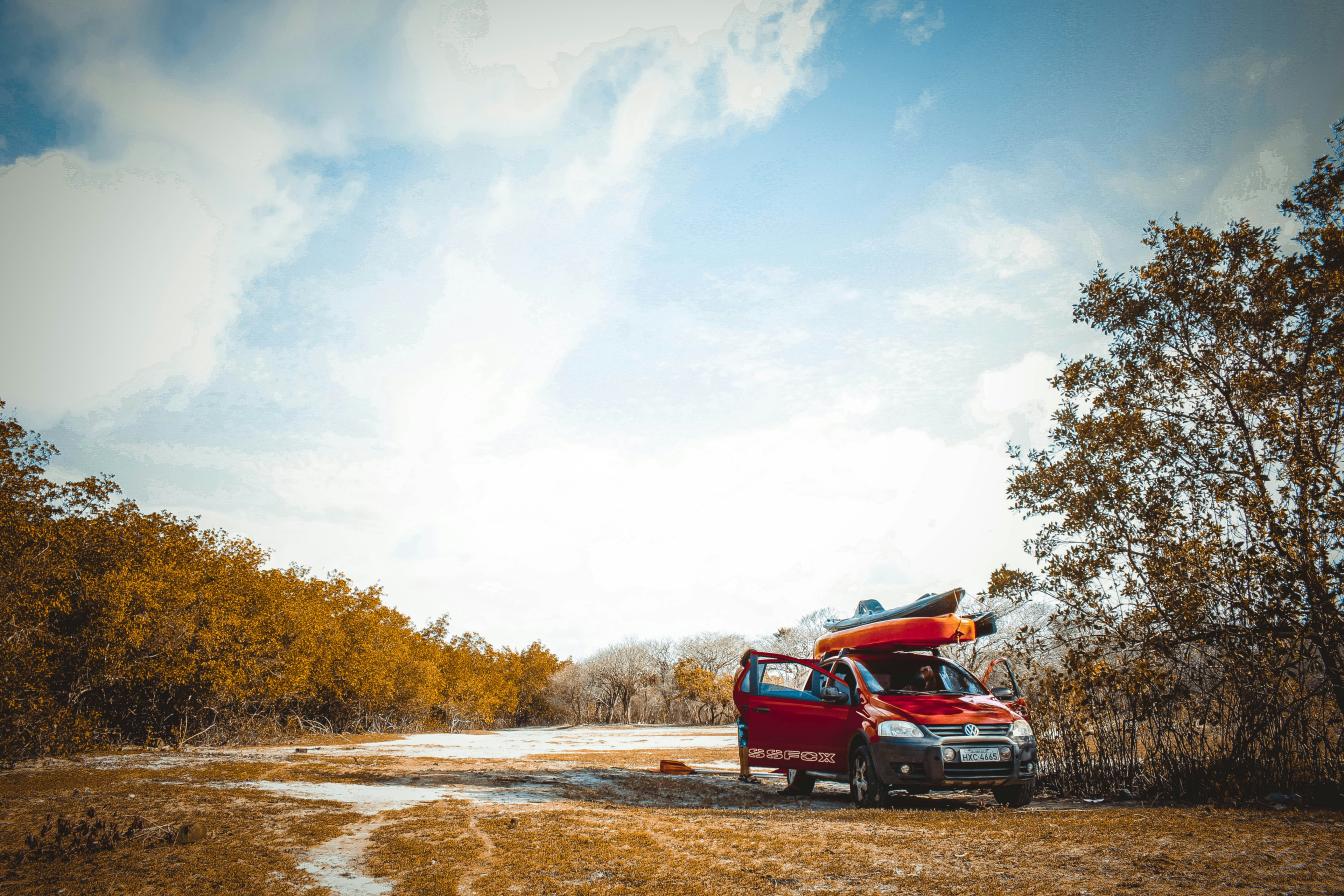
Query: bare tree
{"type": "Point", "coordinates": [799, 639]}
{"type": "Point", "coordinates": [660, 694]}
{"type": "Point", "coordinates": [715, 652]}
{"type": "Point", "coordinates": [618, 673]}
{"type": "Point", "coordinates": [570, 692]}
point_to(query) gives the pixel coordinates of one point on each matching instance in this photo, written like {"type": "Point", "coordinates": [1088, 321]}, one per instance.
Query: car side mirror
{"type": "Point", "coordinates": [832, 694]}
{"type": "Point", "coordinates": [1004, 694]}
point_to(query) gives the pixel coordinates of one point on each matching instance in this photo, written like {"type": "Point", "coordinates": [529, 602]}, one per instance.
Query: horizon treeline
{"type": "Point", "coordinates": [122, 626]}
{"type": "Point", "coordinates": [663, 681]}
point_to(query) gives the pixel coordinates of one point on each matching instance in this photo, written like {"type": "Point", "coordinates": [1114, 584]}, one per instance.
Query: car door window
{"type": "Point", "coordinates": [788, 681]}
{"type": "Point", "coordinates": [845, 674]}
{"type": "Point", "coordinates": [1002, 679]}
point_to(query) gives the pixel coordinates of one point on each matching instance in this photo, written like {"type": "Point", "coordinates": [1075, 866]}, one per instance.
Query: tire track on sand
{"type": "Point", "coordinates": [466, 885]}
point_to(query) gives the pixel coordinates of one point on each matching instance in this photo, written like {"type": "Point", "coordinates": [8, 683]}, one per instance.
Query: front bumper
{"type": "Point", "coordinates": [923, 757]}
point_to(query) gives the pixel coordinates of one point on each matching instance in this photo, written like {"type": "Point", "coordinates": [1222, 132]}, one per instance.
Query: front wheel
{"type": "Point", "coordinates": [800, 782]}
{"type": "Point", "coordinates": [865, 787]}
{"type": "Point", "coordinates": [1015, 796]}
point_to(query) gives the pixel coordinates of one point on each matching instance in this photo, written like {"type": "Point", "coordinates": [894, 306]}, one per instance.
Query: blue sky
{"type": "Point", "coordinates": [545, 314]}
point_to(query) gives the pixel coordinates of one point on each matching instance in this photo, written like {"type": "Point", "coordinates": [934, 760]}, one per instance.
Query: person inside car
{"type": "Point", "coordinates": [925, 680]}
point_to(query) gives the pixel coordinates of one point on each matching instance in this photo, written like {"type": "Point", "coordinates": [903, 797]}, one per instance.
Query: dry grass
{"type": "Point", "coordinates": [250, 847]}
{"type": "Point", "coordinates": [618, 829]}
{"type": "Point", "coordinates": [662, 852]}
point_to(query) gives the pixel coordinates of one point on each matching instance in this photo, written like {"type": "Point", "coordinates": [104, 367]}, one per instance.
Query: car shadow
{"type": "Point", "coordinates": [942, 802]}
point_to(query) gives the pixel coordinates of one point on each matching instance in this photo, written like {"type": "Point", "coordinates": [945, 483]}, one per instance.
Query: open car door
{"type": "Point", "coordinates": [1001, 680]}
{"type": "Point", "coordinates": [797, 713]}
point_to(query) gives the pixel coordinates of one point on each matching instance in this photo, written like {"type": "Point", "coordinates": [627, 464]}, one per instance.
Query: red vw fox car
{"type": "Point", "coordinates": [884, 721]}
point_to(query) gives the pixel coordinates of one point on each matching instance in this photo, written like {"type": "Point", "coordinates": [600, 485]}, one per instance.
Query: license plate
{"type": "Point", "coordinates": [980, 754]}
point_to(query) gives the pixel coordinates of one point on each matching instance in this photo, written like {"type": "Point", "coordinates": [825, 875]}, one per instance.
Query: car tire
{"type": "Point", "coordinates": [865, 787]}
{"type": "Point", "coordinates": [1015, 796]}
{"type": "Point", "coordinates": [800, 782]}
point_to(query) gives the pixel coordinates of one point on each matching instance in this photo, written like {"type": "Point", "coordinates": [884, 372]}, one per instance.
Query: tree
{"type": "Point", "coordinates": [702, 677]}
{"type": "Point", "coordinates": [710, 694]}
{"type": "Point", "coordinates": [716, 652]}
{"type": "Point", "coordinates": [1191, 497]}
{"type": "Point", "coordinates": [569, 692]}
{"type": "Point", "coordinates": [1018, 617]}
{"type": "Point", "coordinates": [118, 625]}
{"type": "Point", "coordinates": [531, 672]}
{"type": "Point", "coordinates": [37, 581]}
{"type": "Point", "coordinates": [618, 673]}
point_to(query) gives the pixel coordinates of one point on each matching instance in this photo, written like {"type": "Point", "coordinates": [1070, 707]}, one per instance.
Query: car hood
{"type": "Point", "coordinates": [944, 709]}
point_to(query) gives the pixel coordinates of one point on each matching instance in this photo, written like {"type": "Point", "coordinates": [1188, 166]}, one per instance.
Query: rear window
{"type": "Point", "coordinates": [908, 673]}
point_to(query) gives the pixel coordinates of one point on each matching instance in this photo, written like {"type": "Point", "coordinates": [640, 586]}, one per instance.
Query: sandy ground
{"type": "Point", "coordinates": [580, 810]}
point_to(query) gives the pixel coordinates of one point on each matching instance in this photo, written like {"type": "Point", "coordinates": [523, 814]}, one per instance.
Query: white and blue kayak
{"type": "Point", "coordinates": [870, 611]}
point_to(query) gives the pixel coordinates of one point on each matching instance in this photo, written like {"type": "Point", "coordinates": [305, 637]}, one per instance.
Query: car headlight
{"type": "Point", "coordinates": [898, 729]}
{"type": "Point", "coordinates": [1020, 730]}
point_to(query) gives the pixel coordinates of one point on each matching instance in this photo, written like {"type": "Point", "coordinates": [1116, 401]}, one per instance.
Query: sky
{"type": "Point", "coordinates": [597, 320]}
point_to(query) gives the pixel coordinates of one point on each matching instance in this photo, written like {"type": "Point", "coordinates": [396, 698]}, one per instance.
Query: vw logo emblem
{"type": "Point", "coordinates": [971, 730]}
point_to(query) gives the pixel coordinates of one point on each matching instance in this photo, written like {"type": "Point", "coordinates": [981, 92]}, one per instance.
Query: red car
{"type": "Point", "coordinates": [884, 721]}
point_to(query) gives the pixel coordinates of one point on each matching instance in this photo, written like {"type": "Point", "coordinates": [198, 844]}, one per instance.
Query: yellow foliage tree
{"type": "Point", "coordinates": [121, 625]}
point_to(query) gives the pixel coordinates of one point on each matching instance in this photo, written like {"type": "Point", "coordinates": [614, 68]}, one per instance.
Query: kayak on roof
{"type": "Point", "coordinates": [870, 611]}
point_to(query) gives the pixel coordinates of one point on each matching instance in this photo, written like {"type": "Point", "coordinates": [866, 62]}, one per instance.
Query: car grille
{"type": "Point", "coordinates": [981, 771]}
{"type": "Point", "coordinates": [989, 729]}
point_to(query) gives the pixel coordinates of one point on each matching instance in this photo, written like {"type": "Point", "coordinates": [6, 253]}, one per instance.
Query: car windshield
{"type": "Point", "coordinates": [907, 673]}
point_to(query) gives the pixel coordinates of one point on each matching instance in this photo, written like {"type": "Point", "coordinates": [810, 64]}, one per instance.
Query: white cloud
{"type": "Point", "coordinates": [1003, 246]}
{"type": "Point", "coordinates": [487, 500]}
{"type": "Point", "coordinates": [495, 511]}
{"type": "Point", "coordinates": [121, 276]}
{"type": "Point", "coordinates": [110, 279]}
{"type": "Point", "coordinates": [1016, 401]}
{"type": "Point", "coordinates": [763, 61]}
{"type": "Point", "coordinates": [990, 241]}
{"type": "Point", "coordinates": [586, 541]}
{"type": "Point", "coordinates": [486, 341]}
{"type": "Point", "coordinates": [218, 162]}
{"type": "Point", "coordinates": [908, 119]}
{"type": "Point", "coordinates": [514, 68]}
{"type": "Point", "coordinates": [126, 259]}
{"type": "Point", "coordinates": [547, 45]}
{"type": "Point", "coordinates": [918, 23]}
{"type": "Point", "coordinates": [965, 216]}
{"type": "Point", "coordinates": [592, 541]}
{"type": "Point", "coordinates": [1157, 186]}
{"type": "Point", "coordinates": [960, 299]}
{"type": "Point", "coordinates": [1256, 181]}
{"type": "Point", "coordinates": [524, 273]}
{"type": "Point", "coordinates": [1248, 70]}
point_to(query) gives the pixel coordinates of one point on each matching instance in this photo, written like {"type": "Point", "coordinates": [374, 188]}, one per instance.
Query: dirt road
{"type": "Point", "coordinates": [577, 810]}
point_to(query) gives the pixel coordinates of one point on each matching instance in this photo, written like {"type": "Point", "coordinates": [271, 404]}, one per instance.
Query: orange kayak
{"type": "Point", "coordinates": [914, 633]}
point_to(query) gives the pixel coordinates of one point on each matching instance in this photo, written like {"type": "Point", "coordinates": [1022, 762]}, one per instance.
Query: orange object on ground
{"type": "Point", "coordinates": [674, 767]}
{"type": "Point", "coordinates": [914, 633]}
